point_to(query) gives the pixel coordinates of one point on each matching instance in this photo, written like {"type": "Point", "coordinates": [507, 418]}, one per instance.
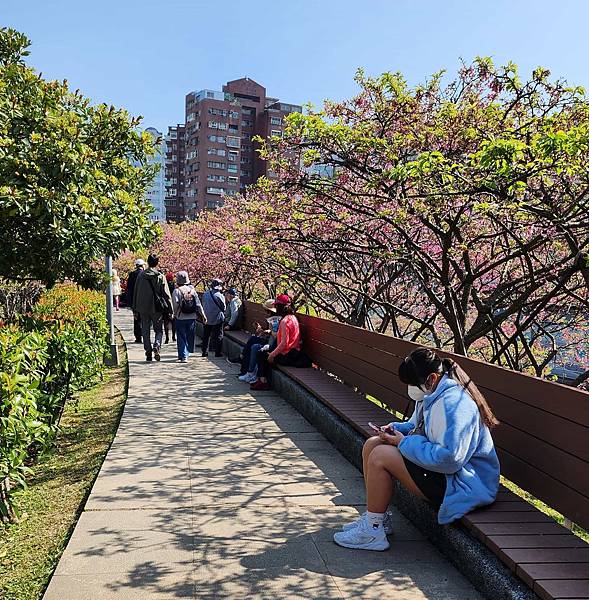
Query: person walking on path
{"type": "Point", "coordinates": [444, 454]}
{"type": "Point", "coordinates": [170, 322]}
{"type": "Point", "coordinates": [214, 307]}
{"type": "Point", "coordinates": [152, 299]}
{"type": "Point", "coordinates": [187, 308]}
{"type": "Point", "coordinates": [116, 289]}
{"type": "Point", "coordinates": [131, 280]}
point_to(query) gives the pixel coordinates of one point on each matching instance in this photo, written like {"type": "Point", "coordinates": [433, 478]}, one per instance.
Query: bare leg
{"type": "Point", "coordinates": [385, 463]}
{"type": "Point", "coordinates": [369, 445]}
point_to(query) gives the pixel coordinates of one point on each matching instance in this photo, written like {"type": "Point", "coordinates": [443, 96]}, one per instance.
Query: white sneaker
{"type": "Point", "coordinates": [387, 523]}
{"type": "Point", "coordinates": [363, 537]}
{"type": "Point", "coordinates": [245, 378]}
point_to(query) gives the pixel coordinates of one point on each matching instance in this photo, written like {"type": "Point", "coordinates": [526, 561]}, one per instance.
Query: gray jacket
{"type": "Point", "coordinates": [213, 303]}
{"type": "Point", "coordinates": [177, 297]}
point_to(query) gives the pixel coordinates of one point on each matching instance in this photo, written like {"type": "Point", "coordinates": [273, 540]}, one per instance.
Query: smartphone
{"type": "Point", "coordinates": [373, 426]}
{"type": "Point", "coordinates": [385, 428]}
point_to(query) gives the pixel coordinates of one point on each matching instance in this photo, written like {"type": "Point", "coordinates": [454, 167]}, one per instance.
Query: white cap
{"type": "Point", "coordinates": [139, 262]}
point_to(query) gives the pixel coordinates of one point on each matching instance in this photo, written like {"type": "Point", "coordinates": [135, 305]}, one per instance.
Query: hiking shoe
{"type": "Point", "coordinates": [204, 354]}
{"type": "Point", "coordinates": [183, 360]}
{"type": "Point", "coordinates": [148, 358]}
{"type": "Point", "coordinates": [156, 353]}
{"type": "Point", "coordinates": [363, 537]}
{"type": "Point", "coordinates": [387, 523]}
{"type": "Point", "coordinates": [259, 386]}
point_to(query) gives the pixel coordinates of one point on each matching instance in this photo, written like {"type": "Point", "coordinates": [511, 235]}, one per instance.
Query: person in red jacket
{"type": "Point", "coordinates": [288, 347]}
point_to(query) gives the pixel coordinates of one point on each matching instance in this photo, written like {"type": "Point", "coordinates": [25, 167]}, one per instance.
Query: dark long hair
{"type": "Point", "coordinates": [284, 309]}
{"type": "Point", "coordinates": [422, 362]}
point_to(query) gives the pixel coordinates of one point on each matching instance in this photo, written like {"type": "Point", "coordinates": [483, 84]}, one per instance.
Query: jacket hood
{"type": "Point", "coordinates": [151, 274]}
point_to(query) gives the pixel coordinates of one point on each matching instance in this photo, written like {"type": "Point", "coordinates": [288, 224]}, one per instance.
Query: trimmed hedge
{"type": "Point", "coordinates": [45, 357]}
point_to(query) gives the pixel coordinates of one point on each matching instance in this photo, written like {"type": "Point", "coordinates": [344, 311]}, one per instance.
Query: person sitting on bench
{"type": "Point", "coordinates": [288, 347]}
{"type": "Point", "coordinates": [444, 454]}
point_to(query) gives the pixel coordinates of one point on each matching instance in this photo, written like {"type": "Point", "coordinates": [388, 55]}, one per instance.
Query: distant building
{"type": "Point", "coordinates": [175, 166]}
{"type": "Point", "coordinates": [156, 193]}
{"type": "Point", "coordinates": [220, 155]}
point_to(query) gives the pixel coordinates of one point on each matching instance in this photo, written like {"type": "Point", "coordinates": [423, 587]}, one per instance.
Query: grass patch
{"type": "Point", "coordinates": [62, 479]}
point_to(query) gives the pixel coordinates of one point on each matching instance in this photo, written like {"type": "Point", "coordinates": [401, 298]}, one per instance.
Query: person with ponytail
{"type": "Point", "coordinates": [444, 454]}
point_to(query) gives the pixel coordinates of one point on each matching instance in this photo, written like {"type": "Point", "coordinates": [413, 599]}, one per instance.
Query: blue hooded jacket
{"type": "Point", "coordinates": [458, 444]}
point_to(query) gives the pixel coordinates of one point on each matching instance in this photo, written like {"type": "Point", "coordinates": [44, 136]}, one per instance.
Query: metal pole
{"type": "Point", "coordinates": [114, 353]}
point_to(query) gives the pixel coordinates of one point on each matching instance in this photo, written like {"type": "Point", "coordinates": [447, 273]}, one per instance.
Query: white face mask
{"type": "Point", "coordinates": [415, 393]}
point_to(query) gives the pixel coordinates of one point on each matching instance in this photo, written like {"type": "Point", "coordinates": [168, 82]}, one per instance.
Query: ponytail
{"type": "Point", "coordinates": [422, 362]}
{"type": "Point", "coordinates": [455, 371]}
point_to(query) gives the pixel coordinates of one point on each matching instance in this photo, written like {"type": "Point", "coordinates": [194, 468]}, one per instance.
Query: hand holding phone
{"type": "Point", "coordinates": [383, 428]}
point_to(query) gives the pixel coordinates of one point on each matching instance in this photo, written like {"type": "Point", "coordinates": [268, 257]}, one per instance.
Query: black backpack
{"type": "Point", "coordinates": [187, 302]}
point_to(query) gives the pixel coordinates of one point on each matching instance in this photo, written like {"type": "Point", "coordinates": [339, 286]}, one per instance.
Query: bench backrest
{"type": "Point", "coordinates": [543, 439]}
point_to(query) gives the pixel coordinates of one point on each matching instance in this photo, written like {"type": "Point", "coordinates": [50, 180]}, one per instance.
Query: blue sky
{"type": "Point", "coordinates": [145, 55]}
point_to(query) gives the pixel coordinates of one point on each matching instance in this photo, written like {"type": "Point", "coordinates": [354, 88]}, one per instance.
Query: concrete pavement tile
{"type": "Point", "coordinates": [150, 582]}
{"type": "Point", "coordinates": [111, 550]}
{"type": "Point", "coordinates": [112, 493]}
{"type": "Point", "coordinates": [266, 584]}
{"type": "Point", "coordinates": [171, 521]}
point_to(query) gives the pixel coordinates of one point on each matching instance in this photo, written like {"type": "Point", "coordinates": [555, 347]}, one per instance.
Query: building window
{"type": "Point", "coordinates": [232, 168]}
{"type": "Point", "coordinates": [248, 111]}
{"type": "Point", "coordinates": [217, 125]}
{"type": "Point", "coordinates": [276, 133]}
{"type": "Point", "coordinates": [275, 121]}
{"type": "Point", "coordinates": [233, 155]}
{"type": "Point", "coordinates": [245, 161]}
{"type": "Point", "coordinates": [246, 123]}
{"type": "Point", "coordinates": [221, 112]}
{"type": "Point", "coordinates": [234, 114]}
{"type": "Point", "coordinates": [232, 180]}
{"type": "Point", "coordinates": [215, 190]}
{"type": "Point", "coordinates": [233, 129]}
{"type": "Point", "coordinates": [246, 136]}
{"type": "Point", "coordinates": [220, 178]}
{"type": "Point", "coordinates": [216, 138]}
{"type": "Point", "coordinates": [233, 142]}
{"type": "Point", "coordinates": [215, 165]}
{"type": "Point", "coordinates": [216, 151]}
{"type": "Point", "coordinates": [245, 173]}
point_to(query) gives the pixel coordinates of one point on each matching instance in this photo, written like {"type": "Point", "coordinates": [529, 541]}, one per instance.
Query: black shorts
{"type": "Point", "coordinates": [431, 484]}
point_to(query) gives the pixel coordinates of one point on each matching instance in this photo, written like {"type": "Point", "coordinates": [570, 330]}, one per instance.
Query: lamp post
{"type": "Point", "coordinates": [114, 353]}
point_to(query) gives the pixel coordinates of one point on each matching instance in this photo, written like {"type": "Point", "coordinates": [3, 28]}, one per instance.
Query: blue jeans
{"type": "Point", "coordinates": [255, 348]}
{"type": "Point", "coordinates": [185, 336]}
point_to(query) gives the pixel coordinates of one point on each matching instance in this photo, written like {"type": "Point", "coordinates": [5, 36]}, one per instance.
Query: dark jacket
{"type": "Point", "coordinates": [143, 297]}
{"type": "Point", "coordinates": [131, 280]}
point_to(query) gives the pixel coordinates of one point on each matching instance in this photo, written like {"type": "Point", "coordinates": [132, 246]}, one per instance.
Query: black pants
{"type": "Point", "coordinates": [247, 351]}
{"type": "Point", "coordinates": [137, 327]}
{"type": "Point", "coordinates": [214, 335]}
{"type": "Point", "coordinates": [290, 359]}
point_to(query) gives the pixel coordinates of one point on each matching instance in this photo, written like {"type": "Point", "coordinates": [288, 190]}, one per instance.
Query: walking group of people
{"type": "Point", "coordinates": [171, 302]}
{"type": "Point", "coordinates": [444, 454]}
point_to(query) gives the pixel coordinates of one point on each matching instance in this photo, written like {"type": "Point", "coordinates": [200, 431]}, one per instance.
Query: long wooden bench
{"type": "Point", "coordinates": [542, 442]}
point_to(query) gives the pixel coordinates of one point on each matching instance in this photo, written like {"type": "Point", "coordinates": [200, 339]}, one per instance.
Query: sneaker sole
{"type": "Point", "coordinates": [360, 547]}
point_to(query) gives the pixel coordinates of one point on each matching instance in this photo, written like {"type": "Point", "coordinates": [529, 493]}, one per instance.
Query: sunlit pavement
{"type": "Point", "coordinates": [210, 491]}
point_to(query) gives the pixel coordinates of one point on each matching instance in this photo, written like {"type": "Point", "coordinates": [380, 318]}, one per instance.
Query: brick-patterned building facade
{"type": "Point", "coordinates": [220, 158]}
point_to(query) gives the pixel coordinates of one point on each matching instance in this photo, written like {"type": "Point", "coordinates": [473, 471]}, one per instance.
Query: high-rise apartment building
{"type": "Point", "coordinates": [220, 155]}
{"type": "Point", "coordinates": [155, 194]}
{"type": "Point", "coordinates": [174, 173]}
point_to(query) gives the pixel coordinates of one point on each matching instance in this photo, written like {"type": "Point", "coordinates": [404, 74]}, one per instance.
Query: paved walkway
{"type": "Point", "coordinates": [211, 492]}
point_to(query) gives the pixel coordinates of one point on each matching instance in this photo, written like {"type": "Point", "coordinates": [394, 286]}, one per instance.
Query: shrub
{"type": "Point", "coordinates": [44, 358]}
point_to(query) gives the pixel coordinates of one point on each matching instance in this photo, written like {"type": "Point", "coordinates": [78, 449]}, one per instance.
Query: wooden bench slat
{"type": "Point", "coordinates": [536, 516]}
{"type": "Point", "coordinates": [488, 529]}
{"type": "Point", "coordinates": [556, 589]}
{"type": "Point", "coordinates": [535, 541]}
{"type": "Point", "coordinates": [546, 555]}
{"type": "Point", "coordinates": [531, 572]}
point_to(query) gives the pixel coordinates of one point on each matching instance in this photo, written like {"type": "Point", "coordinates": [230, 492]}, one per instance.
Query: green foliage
{"type": "Point", "coordinates": [69, 190]}
{"type": "Point", "coordinates": [44, 359]}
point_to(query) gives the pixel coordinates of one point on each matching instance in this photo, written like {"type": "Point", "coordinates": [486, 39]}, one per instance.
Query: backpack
{"type": "Point", "coordinates": [187, 302]}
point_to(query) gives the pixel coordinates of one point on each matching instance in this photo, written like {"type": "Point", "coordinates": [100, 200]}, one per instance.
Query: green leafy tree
{"type": "Point", "coordinates": [72, 176]}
